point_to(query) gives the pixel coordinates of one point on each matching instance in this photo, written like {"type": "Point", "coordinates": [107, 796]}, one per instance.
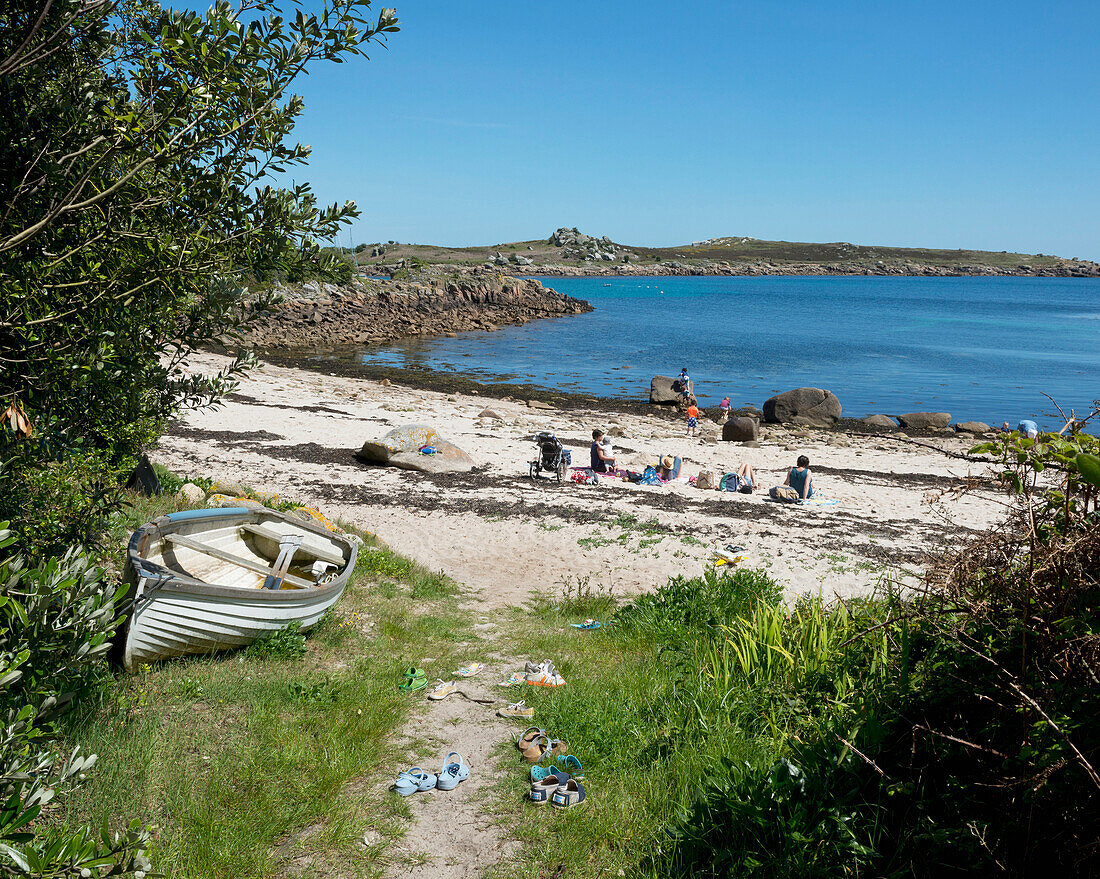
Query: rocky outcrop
{"type": "Point", "coordinates": [402, 447]}
{"type": "Point", "coordinates": [884, 422]}
{"type": "Point", "coordinates": [576, 245]}
{"type": "Point", "coordinates": [741, 430]}
{"type": "Point", "coordinates": [810, 406]}
{"type": "Point", "coordinates": [925, 420]}
{"type": "Point", "coordinates": [374, 312]}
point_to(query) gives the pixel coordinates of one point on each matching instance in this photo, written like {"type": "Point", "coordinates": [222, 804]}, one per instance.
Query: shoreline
{"type": "Point", "coordinates": [1080, 270]}
{"type": "Point", "coordinates": [425, 379]}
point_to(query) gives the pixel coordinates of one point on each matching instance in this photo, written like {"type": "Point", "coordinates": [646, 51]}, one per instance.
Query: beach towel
{"type": "Point", "coordinates": [821, 501]}
{"type": "Point", "coordinates": [649, 477]}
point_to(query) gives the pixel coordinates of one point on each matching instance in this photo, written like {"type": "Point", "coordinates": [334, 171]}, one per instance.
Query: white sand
{"type": "Point", "coordinates": [505, 535]}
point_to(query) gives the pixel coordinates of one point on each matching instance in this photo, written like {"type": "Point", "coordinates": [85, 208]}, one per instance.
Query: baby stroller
{"type": "Point", "coordinates": [552, 456]}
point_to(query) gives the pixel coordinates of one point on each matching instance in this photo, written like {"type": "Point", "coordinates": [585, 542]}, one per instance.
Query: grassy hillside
{"type": "Point", "coordinates": [734, 250]}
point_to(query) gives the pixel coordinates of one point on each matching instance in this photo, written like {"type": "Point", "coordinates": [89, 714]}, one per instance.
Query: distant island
{"type": "Point", "coordinates": [569, 252]}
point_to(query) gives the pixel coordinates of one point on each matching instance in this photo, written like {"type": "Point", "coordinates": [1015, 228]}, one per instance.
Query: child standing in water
{"type": "Point", "coordinates": [693, 418]}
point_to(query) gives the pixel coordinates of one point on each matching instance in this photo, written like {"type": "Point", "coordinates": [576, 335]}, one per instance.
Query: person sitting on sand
{"type": "Point", "coordinates": [668, 469]}
{"type": "Point", "coordinates": [601, 460]}
{"type": "Point", "coordinates": [693, 418]}
{"type": "Point", "coordinates": [800, 478]}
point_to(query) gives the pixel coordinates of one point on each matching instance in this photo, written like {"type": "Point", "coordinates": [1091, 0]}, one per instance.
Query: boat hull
{"type": "Point", "coordinates": [177, 614]}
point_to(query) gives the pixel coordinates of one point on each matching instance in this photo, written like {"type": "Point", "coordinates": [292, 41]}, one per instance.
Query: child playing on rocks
{"type": "Point", "coordinates": [693, 418]}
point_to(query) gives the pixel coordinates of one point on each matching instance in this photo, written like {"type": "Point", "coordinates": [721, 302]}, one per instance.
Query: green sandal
{"type": "Point", "coordinates": [414, 680]}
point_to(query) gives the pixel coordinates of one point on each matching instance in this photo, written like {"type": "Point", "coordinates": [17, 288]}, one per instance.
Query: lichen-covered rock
{"type": "Point", "coordinates": [401, 447]}
{"type": "Point", "coordinates": [191, 493]}
{"type": "Point", "coordinates": [810, 406]}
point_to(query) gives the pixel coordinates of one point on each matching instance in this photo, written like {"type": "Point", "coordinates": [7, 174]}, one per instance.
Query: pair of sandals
{"type": "Point", "coordinates": [450, 775]}
{"type": "Point", "coordinates": [535, 744]}
{"type": "Point", "coordinates": [415, 679]}
{"type": "Point", "coordinates": [559, 789]}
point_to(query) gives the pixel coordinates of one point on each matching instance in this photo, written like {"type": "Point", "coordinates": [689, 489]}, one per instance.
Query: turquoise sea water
{"type": "Point", "coordinates": [979, 348]}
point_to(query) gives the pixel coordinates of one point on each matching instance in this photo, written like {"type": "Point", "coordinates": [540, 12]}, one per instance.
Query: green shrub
{"type": "Point", "coordinates": [56, 619]}
{"type": "Point", "coordinates": [289, 642]}
{"type": "Point", "coordinates": [698, 604]}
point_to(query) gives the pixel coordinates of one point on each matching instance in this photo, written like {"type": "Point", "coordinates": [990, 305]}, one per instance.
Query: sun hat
{"type": "Point", "coordinates": [667, 462]}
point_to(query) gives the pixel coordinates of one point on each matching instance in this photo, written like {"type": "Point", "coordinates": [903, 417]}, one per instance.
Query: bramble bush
{"type": "Point", "coordinates": [954, 732]}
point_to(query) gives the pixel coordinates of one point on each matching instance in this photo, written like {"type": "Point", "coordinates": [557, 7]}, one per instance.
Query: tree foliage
{"type": "Point", "coordinates": [140, 151]}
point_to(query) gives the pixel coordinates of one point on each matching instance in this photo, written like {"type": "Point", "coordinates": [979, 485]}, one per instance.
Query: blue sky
{"type": "Point", "coordinates": [964, 124]}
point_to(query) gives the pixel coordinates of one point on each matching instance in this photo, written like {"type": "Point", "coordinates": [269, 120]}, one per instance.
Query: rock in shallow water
{"type": "Point", "coordinates": [925, 420]}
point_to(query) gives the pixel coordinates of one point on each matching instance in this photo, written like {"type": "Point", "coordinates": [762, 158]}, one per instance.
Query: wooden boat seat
{"type": "Point", "coordinates": [324, 555]}
{"type": "Point", "coordinates": [251, 565]}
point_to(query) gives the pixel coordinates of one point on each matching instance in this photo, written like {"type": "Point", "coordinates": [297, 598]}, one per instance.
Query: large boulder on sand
{"type": "Point", "coordinates": [401, 448]}
{"type": "Point", "coordinates": [925, 420]}
{"type": "Point", "coordinates": [812, 406]}
{"type": "Point", "coordinates": [741, 430]}
{"type": "Point", "coordinates": [881, 421]}
{"type": "Point", "coordinates": [661, 391]}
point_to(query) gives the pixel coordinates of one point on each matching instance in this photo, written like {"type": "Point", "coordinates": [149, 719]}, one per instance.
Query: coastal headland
{"type": "Point", "coordinates": [372, 311]}
{"type": "Point", "coordinates": [570, 252]}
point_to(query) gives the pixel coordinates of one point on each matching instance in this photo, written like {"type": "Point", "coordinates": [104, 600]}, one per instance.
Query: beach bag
{"type": "Point", "coordinates": [705, 479]}
{"type": "Point", "coordinates": [784, 493]}
{"type": "Point", "coordinates": [730, 482]}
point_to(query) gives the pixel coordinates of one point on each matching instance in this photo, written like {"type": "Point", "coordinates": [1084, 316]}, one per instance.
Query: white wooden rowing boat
{"type": "Point", "coordinates": [208, 580]}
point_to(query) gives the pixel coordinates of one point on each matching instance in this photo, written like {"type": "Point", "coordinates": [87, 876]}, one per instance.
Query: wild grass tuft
{"type": "Point", "coordinates": [289, 642]}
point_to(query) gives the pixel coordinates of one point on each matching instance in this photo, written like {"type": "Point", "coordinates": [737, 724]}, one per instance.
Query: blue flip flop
{"type": "Point", "coordinates": [570, 764]}
{"type": "Point", "coordinates": [453, 772]}
{"type": "Point", "coordinates": [412, 780]}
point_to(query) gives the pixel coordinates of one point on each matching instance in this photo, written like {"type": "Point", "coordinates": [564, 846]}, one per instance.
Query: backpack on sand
{"type": "Point", "coordinates": [784, 493]}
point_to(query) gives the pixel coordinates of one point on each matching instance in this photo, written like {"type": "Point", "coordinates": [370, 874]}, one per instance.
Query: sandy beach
{"type": "Point", "coordinates": [505, 536]}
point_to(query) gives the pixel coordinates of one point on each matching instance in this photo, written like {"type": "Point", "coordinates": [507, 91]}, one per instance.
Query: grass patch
{"type": "Point", "coordinates": [255, 762]}
{"type": "Point", "coordinates": [289, 642]}
{"type": "Point", "coordinates": [658, 706]}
